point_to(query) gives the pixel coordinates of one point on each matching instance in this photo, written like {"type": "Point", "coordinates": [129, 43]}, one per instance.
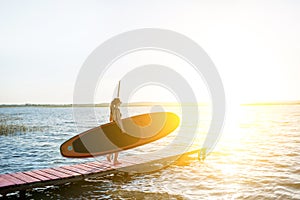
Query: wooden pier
{"type": "Point", "coordinates": [24, 181]}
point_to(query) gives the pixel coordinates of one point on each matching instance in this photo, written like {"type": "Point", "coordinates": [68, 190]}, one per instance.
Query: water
{"type": "Point", "coordinates": [257, 157]}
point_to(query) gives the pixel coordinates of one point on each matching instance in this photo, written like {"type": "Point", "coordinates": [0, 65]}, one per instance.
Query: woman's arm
{"type": "Point", "coordinates": [118, 119]}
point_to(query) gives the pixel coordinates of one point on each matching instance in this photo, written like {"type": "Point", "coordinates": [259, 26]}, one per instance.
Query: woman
{"type": "Point", "coordinates": [115, 116]}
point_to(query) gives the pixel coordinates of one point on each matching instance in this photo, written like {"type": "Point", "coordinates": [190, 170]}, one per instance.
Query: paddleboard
{"type": "Point", "coordinates": [109, 138]}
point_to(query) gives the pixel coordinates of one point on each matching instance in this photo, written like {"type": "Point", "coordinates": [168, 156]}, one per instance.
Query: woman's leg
{"type": "Point", "coordinates": [109, 157]}
{"type": "Point", "coordinates": [116, 158]}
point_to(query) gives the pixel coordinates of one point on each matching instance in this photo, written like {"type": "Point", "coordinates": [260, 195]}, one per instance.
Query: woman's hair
{"type": "Point", "coordinates": [112, 105]}
{"type": "Point", "coordinates": [115, 101]}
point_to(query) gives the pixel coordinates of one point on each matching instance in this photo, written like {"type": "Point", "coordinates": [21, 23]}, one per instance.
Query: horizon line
{"type": "Point", "coordinates": [105, 104]}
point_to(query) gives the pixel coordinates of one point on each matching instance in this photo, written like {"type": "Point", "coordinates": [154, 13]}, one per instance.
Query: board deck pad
{"type": "Point", "coordinates": [109, 138]}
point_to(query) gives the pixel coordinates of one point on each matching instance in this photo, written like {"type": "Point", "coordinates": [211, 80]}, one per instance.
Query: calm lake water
{"type": "Point", "coordinates": [257, 157]}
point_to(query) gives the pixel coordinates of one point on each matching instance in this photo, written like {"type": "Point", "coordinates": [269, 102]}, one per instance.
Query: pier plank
{"type": "Point", "coordinates": [80, 171]}
{"type": "Point", "coordinates": [12, 179]}
{"type": "Point", "coordinates": [5, 183]}
{"type": "Point", "coordinates": [43, 173]}
{"type": "Point", "coordinates": [71, 173]}
{"type": "Point", "coordinates": [24, 177]}
{"type": "Point", "coordinates": [56, 173]}
{"type": "Point", "coordinates": [83, 167]}
{"type": "Point", "coordinates": [96, 169]}
{"type": "Point", "coordinates": [32, 174]}
{"type": "Point", "coordinates": [99, 164]}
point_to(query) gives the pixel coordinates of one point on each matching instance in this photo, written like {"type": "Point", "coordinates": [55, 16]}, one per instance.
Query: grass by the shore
{"type": "Point", "coordinates": [11, 125]}
{"type": "Point", "coordinates": [7, 129]}
{"type": "Point", "coordinates": [10, 129]}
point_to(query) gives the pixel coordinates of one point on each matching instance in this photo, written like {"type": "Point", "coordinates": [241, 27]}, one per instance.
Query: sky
{"type": "Point", "coordinates": [255, 46]}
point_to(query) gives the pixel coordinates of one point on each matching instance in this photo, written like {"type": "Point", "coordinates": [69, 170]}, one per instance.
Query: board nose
{"type": "Point", "coordinates": [66, 150]}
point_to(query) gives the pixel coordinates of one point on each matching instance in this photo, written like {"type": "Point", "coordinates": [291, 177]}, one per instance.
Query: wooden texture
{"type": "Point", "coordinates": [22, 181]}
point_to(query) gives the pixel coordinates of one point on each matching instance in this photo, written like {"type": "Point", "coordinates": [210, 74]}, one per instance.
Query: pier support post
{"type": "Point", "coordinates": [22, 194]}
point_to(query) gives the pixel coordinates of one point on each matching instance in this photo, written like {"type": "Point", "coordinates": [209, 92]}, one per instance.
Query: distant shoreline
{"type": "Point", "coordinates": [137, 104]}
{"type": "Point", "coordinates": [98, 105]}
